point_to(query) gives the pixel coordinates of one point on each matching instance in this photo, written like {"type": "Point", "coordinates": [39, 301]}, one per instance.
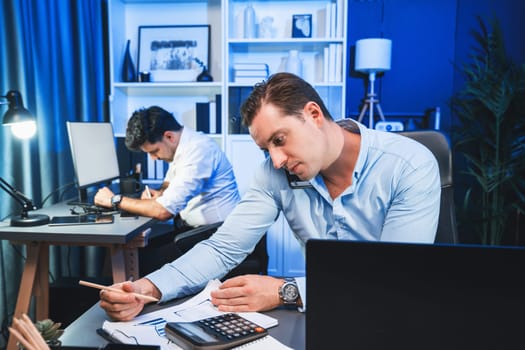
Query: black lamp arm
{"type": "Point", "coordinates": [21, 198]}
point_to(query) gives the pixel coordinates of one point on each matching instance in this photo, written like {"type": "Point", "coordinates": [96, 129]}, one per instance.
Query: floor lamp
{"type": "Point", "coordinates": [372, 56]}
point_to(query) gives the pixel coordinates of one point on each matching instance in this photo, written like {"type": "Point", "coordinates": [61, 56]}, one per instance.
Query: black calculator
{"type": "Point", "coordinates": [214, 333]}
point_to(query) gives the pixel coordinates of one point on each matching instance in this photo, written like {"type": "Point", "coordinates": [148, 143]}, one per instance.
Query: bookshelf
{"type": "Point", "coordinates": [320, 44]}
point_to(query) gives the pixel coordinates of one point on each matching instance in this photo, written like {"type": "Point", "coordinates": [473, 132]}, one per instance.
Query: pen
{"type": "Point", "coordinates": [148, 193]}
{"type": "Point", "coordinates": [99, 286]}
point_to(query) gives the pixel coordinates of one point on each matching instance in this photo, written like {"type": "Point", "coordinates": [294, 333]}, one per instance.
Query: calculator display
{"type": "Point", "coordinates": [192, 330]}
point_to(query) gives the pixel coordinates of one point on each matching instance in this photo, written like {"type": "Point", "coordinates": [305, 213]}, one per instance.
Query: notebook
{"type": "Point", "coordinates": [372, 295]}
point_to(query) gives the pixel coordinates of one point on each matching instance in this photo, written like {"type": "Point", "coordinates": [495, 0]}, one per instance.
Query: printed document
{"type": "Point", "coordinates": [148, 329]}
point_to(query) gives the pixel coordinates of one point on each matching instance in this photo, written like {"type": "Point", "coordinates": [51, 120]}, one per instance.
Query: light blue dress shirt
{"type": "Point", "coordinates": [202, 187]}
{"type": "Point", "coordinates": [394, 196]}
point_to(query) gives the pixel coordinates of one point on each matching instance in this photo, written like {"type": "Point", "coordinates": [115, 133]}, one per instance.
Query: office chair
{"type": "Point", "coordinates": [168, 246]}
{"type": "Point", "coordinates": [438, 144]}
{"type": "Point", "coordinates": [255, 263]}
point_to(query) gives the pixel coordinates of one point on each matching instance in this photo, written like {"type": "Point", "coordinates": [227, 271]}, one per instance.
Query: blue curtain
{"type": "Point", "coordinates": [53, 52]}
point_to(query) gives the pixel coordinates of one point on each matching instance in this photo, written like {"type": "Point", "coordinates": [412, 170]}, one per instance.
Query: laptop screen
{"type": "Point", "coordinates": [374, 295]}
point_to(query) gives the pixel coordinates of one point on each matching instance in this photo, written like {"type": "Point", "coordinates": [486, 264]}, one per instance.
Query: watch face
{"type": "Point", "coordinates": [290, 292]}
{"type": "Point", "coordinates": [116, 199]}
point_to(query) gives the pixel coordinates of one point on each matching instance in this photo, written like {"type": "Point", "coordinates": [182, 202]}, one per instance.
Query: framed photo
{"type": "Point", "coordinates": [302, 26]}
{"type": "Point", "coordinates": [173, 53]}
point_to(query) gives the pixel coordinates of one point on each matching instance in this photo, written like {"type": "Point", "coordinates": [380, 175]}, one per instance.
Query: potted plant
{"type": "Point", "coordinates": [490, 140]}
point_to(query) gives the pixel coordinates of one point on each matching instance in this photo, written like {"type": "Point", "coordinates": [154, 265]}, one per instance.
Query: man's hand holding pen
{"type": "Point", "coordinates": [124, 306]}
{"type": "Point", "coordinates": [149, 193]}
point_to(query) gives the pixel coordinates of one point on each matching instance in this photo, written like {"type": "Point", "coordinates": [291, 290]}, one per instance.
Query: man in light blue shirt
{"type": "Point", "coordinates": [199, 185]}
{"type": "Point", "coordinates": [351, 183]}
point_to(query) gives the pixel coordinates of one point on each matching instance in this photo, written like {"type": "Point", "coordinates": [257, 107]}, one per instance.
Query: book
{"type": "Point", "coordinates": [213, 117]}
{"type": "Point", "coordinates": [250, 65]}
{"type": "Point", "coordinates": [339, 19]}
{"type": "Point", "coordinates": [248, 80]}
{"type": "Point", "coordinates": [250, 73]}
{"type": "Point", "coordinates": [218, 113]}
{"type": "Point", "coordinates": [328, 20]}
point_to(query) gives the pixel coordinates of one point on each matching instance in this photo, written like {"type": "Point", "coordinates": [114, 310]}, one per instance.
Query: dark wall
{"type": "Point", "coordinates": [510, 14]}
{"type": "Point", "coordinates": [428, 38]}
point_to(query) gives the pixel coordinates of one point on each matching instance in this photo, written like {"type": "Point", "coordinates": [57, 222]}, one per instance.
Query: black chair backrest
{"type": "Point", "coordinates": [438, 144]}
{"type": "Point", "coordinates": [255, 263]}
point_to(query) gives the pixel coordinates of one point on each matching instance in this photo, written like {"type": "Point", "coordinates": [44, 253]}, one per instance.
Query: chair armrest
{"type": "Point", "coordinates": [186, 240]}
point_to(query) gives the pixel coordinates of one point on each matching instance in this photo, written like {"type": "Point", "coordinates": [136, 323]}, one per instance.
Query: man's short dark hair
{"type": "Point", "coordinates": [285, 91]}
{"type": "Point", "coordinates": [149, 125]}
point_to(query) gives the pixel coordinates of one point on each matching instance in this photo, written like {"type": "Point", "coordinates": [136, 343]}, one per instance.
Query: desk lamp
{"type": "Point", "coordinates": [23, 126]}
{"type": "Point", "coordinates": [372, 56]}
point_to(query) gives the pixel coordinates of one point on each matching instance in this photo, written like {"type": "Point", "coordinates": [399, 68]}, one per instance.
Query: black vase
{"type": "Point", "coordinates": [204, 75]}
{"type": "Point", "coordinates": [129, 73]}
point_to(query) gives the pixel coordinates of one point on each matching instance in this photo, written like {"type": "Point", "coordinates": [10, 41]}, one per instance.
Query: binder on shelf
{"type": "Point", "coordinates": [202, 110]}
{"type": "Point", "coordinates": [236, 97]}
{"type": "Point", "coordinates": [234, 115]}
{"type": "Point", "coordinates": [208, 116]}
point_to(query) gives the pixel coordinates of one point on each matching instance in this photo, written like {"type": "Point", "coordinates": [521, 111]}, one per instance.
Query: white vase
{"type": "Point", "coordinates": [294, 63]}
{"type": "Point", "coordinates": [249, 22]}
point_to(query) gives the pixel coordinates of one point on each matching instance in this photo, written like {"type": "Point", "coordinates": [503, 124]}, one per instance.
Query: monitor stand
{"type": "Point", "coordinates": [82, 195]}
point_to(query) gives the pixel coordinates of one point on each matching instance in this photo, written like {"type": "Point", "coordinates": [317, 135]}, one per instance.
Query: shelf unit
{"type": "Point", "coordinates": [227, 47]}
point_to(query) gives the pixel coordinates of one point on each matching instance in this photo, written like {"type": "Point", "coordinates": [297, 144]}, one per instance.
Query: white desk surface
{"type": "Point", "coordinates": [120, 232]}
{"type": "Point", "coordinates": [82, 332]}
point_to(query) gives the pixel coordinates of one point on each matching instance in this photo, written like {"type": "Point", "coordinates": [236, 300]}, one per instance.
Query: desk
{"type": "Point", "coordinates": [290, 331]}
{"type": "Point", "coordinates": [123, 237]}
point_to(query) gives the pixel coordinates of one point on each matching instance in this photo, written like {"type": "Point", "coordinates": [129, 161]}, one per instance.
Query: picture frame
{"type": "Point", "coordinates": [173, 53]}
{"type": "Point", "coordinates": [302, 26]}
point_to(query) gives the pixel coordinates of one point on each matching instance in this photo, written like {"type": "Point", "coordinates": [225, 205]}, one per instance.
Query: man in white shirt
{"type": "Point", "coordinates": [352, 183]}
{"type": "Point", "coordinates": [199, 187]}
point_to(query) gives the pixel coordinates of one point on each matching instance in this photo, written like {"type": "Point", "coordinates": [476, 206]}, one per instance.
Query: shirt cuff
{"type": "Point", "coordinates": [301, 285]}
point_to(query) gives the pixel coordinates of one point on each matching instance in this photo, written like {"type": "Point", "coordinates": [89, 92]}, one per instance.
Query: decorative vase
{"type": "Point", "coordinates": [204, 75]}
{"type": "Point", "coordinates": [249, 22]}
{"type": "Point", "coordinates": [294, 63]}
{"type": "Point", "coordinates": [128, 68]}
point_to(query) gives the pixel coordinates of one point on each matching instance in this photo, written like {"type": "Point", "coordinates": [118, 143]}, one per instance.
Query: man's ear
{"type": "Point", "coordinates": [313, 110]}
{"type": "Point", "coordinates": [169, 136]}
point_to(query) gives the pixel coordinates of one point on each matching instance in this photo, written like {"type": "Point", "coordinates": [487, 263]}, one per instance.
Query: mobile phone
{"type": "Point", "coordinates": [214, 333]}
{"type": "Point", "coordinates": [295, 182]}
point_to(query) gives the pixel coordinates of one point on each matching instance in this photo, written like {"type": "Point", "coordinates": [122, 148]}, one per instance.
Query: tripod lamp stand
{"type": "Point", "coordinates": [372, 56]}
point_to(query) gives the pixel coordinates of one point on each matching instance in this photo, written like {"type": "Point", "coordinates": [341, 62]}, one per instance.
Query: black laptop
{"type": "Point", "coordinates": [373, 295]}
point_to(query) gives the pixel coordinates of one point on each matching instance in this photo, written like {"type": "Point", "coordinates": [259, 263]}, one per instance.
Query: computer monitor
{"type": "Point", "coordinates": [94, 154]}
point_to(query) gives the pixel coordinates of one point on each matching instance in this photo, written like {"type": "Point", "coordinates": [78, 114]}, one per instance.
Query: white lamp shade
{"type": "Point", "coordinates": [372, 55]}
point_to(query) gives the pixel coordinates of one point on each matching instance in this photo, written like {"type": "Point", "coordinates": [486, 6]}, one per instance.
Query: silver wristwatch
{"type": "Point", "coordinates": [288, 292]}
{"type": "Point", "coordinates": [115, 201]}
